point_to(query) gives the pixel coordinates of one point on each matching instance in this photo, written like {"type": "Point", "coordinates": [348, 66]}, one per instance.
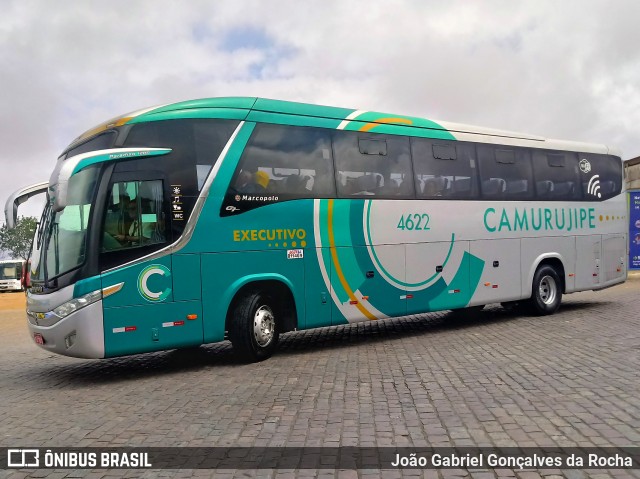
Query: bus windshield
{"type": "Point", "coordinates": [10, 271]}
{"type": "Point", "coordinates": [60, 243]}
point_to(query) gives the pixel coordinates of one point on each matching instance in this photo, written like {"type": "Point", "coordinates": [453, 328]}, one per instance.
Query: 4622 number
{"type": "Point", "coordinates": [414, 221]}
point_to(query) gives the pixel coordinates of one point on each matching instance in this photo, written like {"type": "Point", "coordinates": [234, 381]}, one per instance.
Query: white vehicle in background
{"type": "Point", "coordinates": [12, 275]}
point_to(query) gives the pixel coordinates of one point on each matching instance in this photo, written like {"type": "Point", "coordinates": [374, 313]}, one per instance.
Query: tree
{"type": "Point", "coordinates": [17, 241]}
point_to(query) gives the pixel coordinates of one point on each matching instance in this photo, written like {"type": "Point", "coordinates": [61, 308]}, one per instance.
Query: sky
{"type": "Point", "coordinates": [568, 70]}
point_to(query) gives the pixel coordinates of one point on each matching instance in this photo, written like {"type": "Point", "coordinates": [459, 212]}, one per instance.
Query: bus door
{"type": "Point", "coordinates": [155, 303]}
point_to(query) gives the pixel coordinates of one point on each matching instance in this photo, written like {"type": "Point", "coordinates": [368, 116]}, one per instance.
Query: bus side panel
{"type": "Point", "coordinates": [441, 275]}
{"type": "Point", "coordinates": [186, 277]}
{"type": "Point", "coordinates": [142, 328]}
{"type": "Point", "coordinates": [317, 295]}
{"type": "Point", "coordinates": [362, 292]}
{"type": "Point", "coordinates": [368, 271]}
{"type": "Point", "coordinates": [150, 311]}
{"type": "Point", "coordinates": [501, 277]}
{"type": "Point", "coordinates": [535, 250]}
{"type": "Point", "coordinates": [614, 252]}
{"type": "Point", "coordinates": [589, 252]}
{"type": "Point", "coordinates": [224, 274]}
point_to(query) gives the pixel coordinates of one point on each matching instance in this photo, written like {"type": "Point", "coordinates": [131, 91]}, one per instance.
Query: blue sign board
{"type": "Point", "coordinates": [634, 230]}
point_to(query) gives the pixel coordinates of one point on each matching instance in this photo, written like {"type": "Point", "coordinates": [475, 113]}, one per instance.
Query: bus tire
{"type": "Point", "coordinates": [254, 330]}
{"type": "Point", "coordinates": [546, 291]}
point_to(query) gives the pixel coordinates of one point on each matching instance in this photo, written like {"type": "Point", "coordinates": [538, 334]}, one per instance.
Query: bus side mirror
{"type": "Point", "coordinates": [17, 198]}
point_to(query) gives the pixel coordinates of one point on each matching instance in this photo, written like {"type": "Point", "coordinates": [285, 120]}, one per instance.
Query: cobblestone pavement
{"type": "Point", "coordinates": [500, 379]}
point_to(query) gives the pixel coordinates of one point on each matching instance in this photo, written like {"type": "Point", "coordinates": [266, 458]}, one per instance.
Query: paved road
{"type": "Point", "coordinates": [571, 379]}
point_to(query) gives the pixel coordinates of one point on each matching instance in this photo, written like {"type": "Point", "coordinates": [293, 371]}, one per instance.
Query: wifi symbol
{"type": "Point", "coordinates": [594, 186]}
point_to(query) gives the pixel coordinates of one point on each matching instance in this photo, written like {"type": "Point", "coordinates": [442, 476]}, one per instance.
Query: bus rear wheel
{"type": "Point", "coordinates": [547, 291]}
{"type": "Point", "coordinates": [254, 329]}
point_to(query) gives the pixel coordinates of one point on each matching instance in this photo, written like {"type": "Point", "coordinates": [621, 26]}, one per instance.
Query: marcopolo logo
{"type": "Point", "coordinates": [147, 286]}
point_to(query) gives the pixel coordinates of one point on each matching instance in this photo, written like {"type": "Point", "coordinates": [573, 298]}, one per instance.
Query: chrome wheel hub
{"type": "Point", "coordinates": [548, 290]}
{"type": "Point", "coordinates": [264, 326]}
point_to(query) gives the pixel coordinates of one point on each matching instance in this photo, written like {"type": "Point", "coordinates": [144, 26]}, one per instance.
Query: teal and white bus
{"type": "Point", "coordinates": [244, 218]}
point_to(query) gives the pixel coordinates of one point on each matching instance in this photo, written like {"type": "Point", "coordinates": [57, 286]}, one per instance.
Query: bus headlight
{"type": "Point", "coordinates": [52, 317]}
{"type": "Point", "coordinates": [76, 304]}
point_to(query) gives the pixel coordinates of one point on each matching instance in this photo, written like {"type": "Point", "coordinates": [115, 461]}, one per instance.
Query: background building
{"type": "Point", "coordinates": [632, 180]}
{"type": "Point", "coordinates": [632, 173]}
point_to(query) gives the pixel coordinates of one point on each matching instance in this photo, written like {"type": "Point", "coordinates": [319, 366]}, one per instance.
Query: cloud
{"type": "Point", "coordinates": [560, 69]}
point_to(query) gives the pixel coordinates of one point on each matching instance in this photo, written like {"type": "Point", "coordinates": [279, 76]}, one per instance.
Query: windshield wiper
{"type": "Point", "coordinates": [56, 244]}
{"type": "Point", "coordinates": [51, 230]}
{"type": "Point", "coordinates": [43, 225]}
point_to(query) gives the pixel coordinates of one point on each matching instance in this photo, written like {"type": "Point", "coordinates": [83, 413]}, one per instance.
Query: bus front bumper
{"type": "Point", "coordinates": [10, 286]}
{"type": "Point", "coordinates": [80, 335]}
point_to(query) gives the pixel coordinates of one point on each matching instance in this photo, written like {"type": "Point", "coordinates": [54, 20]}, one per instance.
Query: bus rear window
{"type": "Point", "coordinates": [601, 176]}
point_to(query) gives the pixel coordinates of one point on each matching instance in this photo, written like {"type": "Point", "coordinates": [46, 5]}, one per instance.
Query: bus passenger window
{"type": "Point", "coordinates": [292, 162]}
{"type": "Point", "coordinates": [372, 165]}
{"type": "Point", "coordinates": [443, 169]}
{"type": "Point", "coordinates": [281, 163]}
{"type": "Point", "coordinates": [556, 175]}
{"type": "Point", "coordinates": [505, 172]}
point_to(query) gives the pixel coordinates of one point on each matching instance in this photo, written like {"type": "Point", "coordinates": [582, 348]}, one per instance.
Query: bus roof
{"type": "Point", "coordinates": [243, 106]}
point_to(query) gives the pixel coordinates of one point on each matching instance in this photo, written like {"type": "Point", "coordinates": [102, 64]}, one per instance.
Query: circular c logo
{"type": "Point", "coordinates": [143, 280]}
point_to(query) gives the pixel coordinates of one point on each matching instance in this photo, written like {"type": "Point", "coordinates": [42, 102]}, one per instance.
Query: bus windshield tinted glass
{"type": "Point", "coordinates": [37, 273]}
{"type": "Point", "coordinates": [62, 242]}
{"type": "Point", "coordinates": [9, 271]}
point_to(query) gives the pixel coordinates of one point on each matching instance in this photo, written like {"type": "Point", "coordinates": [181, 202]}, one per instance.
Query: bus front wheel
{"type": "Point", "coordinates": [254, 330]}
{"type": "Point", "coordinates": [547, 291]}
